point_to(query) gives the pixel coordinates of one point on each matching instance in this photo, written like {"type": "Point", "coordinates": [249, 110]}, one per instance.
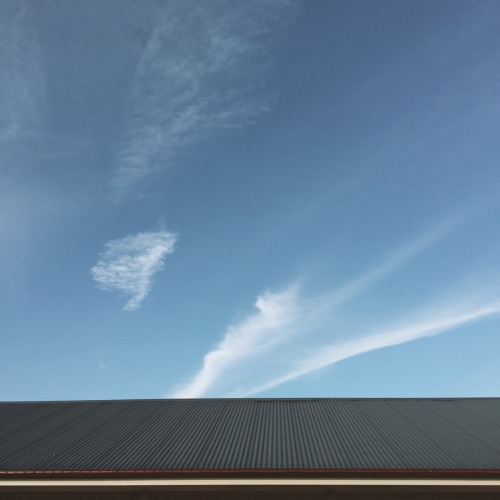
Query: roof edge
{"type": "Point", "coordinates": [263, 399]}
{"type": "Point", "coordinates": [169, 474]}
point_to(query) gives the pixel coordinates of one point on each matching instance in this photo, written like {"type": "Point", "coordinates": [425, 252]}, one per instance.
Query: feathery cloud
{"type": "Point", "coordinates": [208, 83]}
{"type": "Point", "coordinates": [273, 323]}
{"type": "Point", "coordinates": [283, 315]}
{"type": "Point", "coordinates": [435, 324]}
{"type": "Point", "coordinates": [281, 326]}
{"type": "Point", "coordinates": [128, 265]}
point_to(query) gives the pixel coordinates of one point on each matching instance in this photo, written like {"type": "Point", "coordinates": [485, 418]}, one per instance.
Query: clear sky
{"type": "Point", "coordinates": [266, 198]}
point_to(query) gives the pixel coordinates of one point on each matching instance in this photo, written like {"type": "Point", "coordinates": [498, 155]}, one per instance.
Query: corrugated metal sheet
{"type": "Point", "coordinates": [251, 434]}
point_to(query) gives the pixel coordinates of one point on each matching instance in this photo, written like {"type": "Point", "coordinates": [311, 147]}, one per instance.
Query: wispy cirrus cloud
{"type": "Point", "coordinates": [274, 322]}
{"type": "Point", "coordinates": [202, 71]}
{"type": "Point", "coordinates": [276, 352]}
{"type": "Point", "coordinates": [284, 315]}
{"type": "Point", "coordinates": [452, 317]}
{"type": "Point", "coordinates": [267, 349]}
{"type": "Point", "coordinates": [128, 265]}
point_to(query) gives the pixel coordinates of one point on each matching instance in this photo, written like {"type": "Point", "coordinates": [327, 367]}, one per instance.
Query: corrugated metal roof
{"type": "Point", "coordinates": [251, 435]}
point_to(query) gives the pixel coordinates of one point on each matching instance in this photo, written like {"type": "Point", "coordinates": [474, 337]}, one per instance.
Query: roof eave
{"type": "Point", "coordinates": [191, 474]}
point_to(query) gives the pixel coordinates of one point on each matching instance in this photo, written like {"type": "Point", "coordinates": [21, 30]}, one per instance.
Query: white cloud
{"type": "Point", "coordinates": [428, 326]}
{"type": "Point", "coordinates": [272, 348]}
{"type": "Point", "coordinates": [276, 352]}
{"type": "Point", "coordinates": [201, 72]}
{"type": "Point", "coordinates": [273, 324]}
{"type": "Point", "coordinates": [128, 265]}
{"type": "Point", "coordinates": [283, 315]}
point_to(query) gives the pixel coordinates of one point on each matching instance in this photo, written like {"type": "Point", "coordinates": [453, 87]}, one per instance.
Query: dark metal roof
{"type": "Point", "coordinates": [259, 435]}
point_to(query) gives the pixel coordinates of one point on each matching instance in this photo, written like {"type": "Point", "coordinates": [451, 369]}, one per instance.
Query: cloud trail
{"type": "Point", "coordinates": [273, 323]}
{"type": "Point", "coordinates": [128, 265]}
{"type": "Point", "coordinates": [399, 258]}
{"type": "Point", "coordinates": [289, 314]}
{"type": "Point", "coordinates": [330, 354]}
{"type": "Point", "coordinates": [284, 316]}
{"type": "Point", "coordinates": [201, 72]}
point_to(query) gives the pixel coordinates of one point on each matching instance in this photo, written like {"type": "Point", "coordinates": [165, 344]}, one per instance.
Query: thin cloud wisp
{"type": "Point", "coordinates": [128, 265]}
{"type": "Point", "coordinates": [212, 82]}
{"type": "Point", "coordinates": [331, 354]}
{"type": "Point", "coordinates": [259, 332]}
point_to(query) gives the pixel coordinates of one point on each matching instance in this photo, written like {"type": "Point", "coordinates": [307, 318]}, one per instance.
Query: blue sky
{"type": "Point", "coordinates": [265, 198]}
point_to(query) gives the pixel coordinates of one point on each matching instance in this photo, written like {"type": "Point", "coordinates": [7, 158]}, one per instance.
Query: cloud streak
{"type": "Point", "coordinates": [282, 318]}
{"type": "Point", "coordinates": [400, 257]}
{"type": "Point", "coordinates": [128, 265]}
{"type": "Point", "coordinates": [429, 326]}
{"type": "Point", "coordinates": [201, 72]}
{"type": "Point", "coordinates": [274, 322]}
